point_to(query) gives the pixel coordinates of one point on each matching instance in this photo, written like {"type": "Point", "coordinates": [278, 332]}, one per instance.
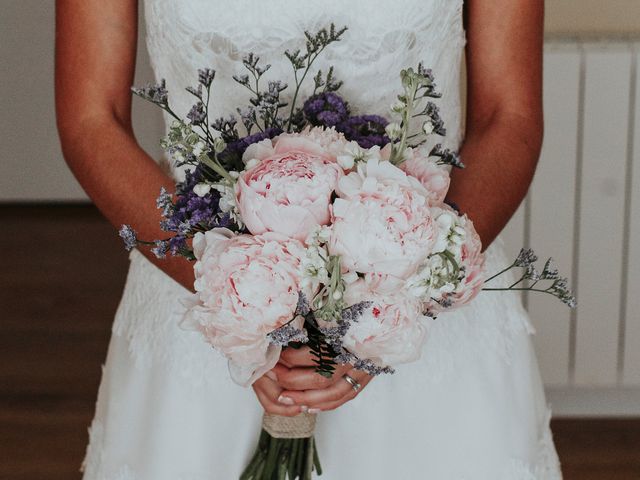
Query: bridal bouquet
{"type": "Point", "coordinates": [315, 227]}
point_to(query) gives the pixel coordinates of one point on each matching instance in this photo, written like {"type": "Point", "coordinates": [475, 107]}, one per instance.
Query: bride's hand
{"type": "Point", "coordinates": [302, 387]}
{"type": "Point", "coordinates": [268, 392]}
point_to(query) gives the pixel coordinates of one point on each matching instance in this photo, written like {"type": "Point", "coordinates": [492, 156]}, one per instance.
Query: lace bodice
{"type": "Point", "coordinates": [383, 38]}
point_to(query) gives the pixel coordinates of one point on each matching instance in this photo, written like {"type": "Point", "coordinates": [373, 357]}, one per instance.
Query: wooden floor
{"type": "Point", "coordinates": [62, 272]}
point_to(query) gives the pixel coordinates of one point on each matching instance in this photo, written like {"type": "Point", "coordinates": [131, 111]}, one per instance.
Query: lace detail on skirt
{"type": "Point", "coordinates": [94, 465]}
{"type": "Point", "coordinates": [148, 317]}
{"type": "Point", "coordinates": [546, 466]}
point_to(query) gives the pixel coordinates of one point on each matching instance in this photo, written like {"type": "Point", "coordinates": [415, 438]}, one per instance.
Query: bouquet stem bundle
{"type": "Point", "coordinates": [286, 449]}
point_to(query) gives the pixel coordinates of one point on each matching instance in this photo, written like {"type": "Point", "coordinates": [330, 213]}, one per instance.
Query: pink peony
{"type": "Point", "coordinates": [382, 224]}
{"type": "Point", "coordinates": [289, 190]}
{"type": "Point", "coordinates": [246, 287]}
{"type": "Point", "coordinates": [433, 177]}
{"type": "Point", "coordinates": [389, 332]}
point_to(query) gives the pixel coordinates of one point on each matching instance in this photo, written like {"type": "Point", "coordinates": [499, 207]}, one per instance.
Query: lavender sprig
{"type": "Point", "coordinates": [446, 156]}
{"type": "Point", "coordinates": [265, 104]}
{"type": "Point", "coordinates": [303, 60]}
{"type": "Point", "coordinates": [327, 84]}
{"type": "Point", "coordinates": [287, 334]}
{"type": "Point", "coordinates": [129, 237]}
{"type": "Point", "coordinates": [526, 260]}
{"type": "Point", "coordinates": [364, 365]}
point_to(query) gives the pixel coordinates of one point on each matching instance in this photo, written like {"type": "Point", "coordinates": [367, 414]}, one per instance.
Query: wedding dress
{"type": "Point", "coordinates": [471, 408]}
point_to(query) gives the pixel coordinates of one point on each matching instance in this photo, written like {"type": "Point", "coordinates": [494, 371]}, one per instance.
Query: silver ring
{"type": "Point", "coordinates": [352, 381]}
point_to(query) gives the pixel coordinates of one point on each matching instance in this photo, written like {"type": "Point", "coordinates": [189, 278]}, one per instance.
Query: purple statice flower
{"type": "Point", "coordinates": [160, 249]}
{"type": "Point", "coordinates": [326, 109]}
{"type": "Point", "coordinates": [197, 114]}
{"type": "Point", "coordinates": [287, 334]}
{"type": "Point", "coordinates": [206, 76]}
{"type": "Point", "coordinates": [164, 201]}
{"type": "Point", "coordinates": [231, 157]}
{"type": "Point", "coordinates": [191, 213]}
{"type": "Point", "coordinates": [155, 93]}
{"type": "Point", "coordinates": [178, 244]}
{"type": "Point", "coordinates": [129, 237]}
{"type": "Point", "coordinates": [367, 130]}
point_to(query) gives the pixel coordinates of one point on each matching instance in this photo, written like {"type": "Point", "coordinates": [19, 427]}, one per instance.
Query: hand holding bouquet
{"type": "Point", "coordinates": [318, 228]}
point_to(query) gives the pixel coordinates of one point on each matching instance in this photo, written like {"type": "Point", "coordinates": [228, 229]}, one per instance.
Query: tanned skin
{"type": "Point", "coordinates": [95, 62]}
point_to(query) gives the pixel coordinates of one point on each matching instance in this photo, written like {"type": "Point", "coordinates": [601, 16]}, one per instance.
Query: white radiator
{"type": "Point", "coordinates": [584, 209]}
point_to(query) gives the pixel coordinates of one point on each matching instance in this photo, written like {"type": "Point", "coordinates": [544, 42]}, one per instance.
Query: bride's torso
{"type": "Point", "coordinates": [382, 38]}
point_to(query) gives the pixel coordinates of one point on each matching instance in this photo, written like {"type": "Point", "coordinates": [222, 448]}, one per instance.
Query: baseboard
{"type": "Point", "coordinates": [594, 402]}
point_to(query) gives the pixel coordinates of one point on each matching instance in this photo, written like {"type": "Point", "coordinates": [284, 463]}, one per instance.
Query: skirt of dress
{"type": "Point", "coordinates": [472, 408]}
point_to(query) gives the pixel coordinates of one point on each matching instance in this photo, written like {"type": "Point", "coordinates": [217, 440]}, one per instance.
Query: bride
{"type": "Point", "coordinates": [473, 407]}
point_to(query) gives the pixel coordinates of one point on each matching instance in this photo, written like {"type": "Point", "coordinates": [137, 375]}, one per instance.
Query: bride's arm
{"type": "Point", "coordinates": [95, 61]}
{"type": "Point", "coordinates": [504, 111]}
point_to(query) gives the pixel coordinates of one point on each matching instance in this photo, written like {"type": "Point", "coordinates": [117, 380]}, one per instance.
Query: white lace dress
{"type": "Point", "coordinates": [472, 408]}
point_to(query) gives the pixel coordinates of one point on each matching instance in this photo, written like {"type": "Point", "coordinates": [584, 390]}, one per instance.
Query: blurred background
{"type": "Point", "coordinates": [584, 208]}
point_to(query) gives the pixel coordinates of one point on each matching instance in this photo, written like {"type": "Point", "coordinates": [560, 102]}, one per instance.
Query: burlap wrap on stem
{"type": "Point", "coordinates": [301, 426]}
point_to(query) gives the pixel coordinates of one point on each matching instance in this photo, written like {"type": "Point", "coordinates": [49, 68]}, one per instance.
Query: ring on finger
{"type": "Point", "coordinates": [353, 382]}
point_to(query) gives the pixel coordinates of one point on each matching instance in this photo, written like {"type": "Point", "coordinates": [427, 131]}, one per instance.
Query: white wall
{"type": "Point", "coordinates": [31, 164]}
{"type": "Point", "coordinates": [584, 209]}
{"type": "Point", "coordinates": [593, 17]}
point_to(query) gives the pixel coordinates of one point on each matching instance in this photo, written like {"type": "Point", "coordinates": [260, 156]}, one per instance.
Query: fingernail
{"type": "Point", "coordinates": [314, 411]}
{"type": "Point", "coordinates": [304, 408]}
{"type": "Point", "coordinates": [286, 400]}
{"type": "Point", "coordinates": [272, 375]}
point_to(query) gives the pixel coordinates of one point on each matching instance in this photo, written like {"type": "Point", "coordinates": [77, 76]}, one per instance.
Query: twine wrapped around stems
{"type": "Point", "coordinates": [286, 450]}
{"type": "Point", "coordinates": [300, 426]}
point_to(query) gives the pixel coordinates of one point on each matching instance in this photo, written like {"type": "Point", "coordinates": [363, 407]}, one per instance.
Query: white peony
{"type": "Point", "coordinates": [382, 224]}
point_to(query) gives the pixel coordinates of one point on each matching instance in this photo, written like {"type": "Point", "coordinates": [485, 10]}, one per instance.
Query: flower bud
{"type": "Point", "coordinates": [398, 106]}
{"type": "Point", "coordinates": [201, 189]}
{"type": "Point", "coordinates": [393, 131]}
{"type": "Point", "coordinates": [346, 161]}
{"type": "Point", "coordinates": [199, 149]}
{"type": "Point", "coordinates": [219, 145]}
{"type": "Point", "coordinates": [427, 127]}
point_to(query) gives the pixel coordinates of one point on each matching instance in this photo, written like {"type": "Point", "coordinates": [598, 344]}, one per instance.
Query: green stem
{"type": "Point", "coordinates": [316, 458]}
{"type": "Point", "coordinates": [308, 471]}
{"type": "Point", "coordinates": [216, 167]}
{"type": "Point", "coordinates": [516, 283]}
{"type": "Point", "coordinates": [500, 272]}
{"type": "Point", "coordinates": [310, 61]}
{"type": "Point", "coordinates": [398, 152]}
{"type": "Point", "coordinates": [523, 289]}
